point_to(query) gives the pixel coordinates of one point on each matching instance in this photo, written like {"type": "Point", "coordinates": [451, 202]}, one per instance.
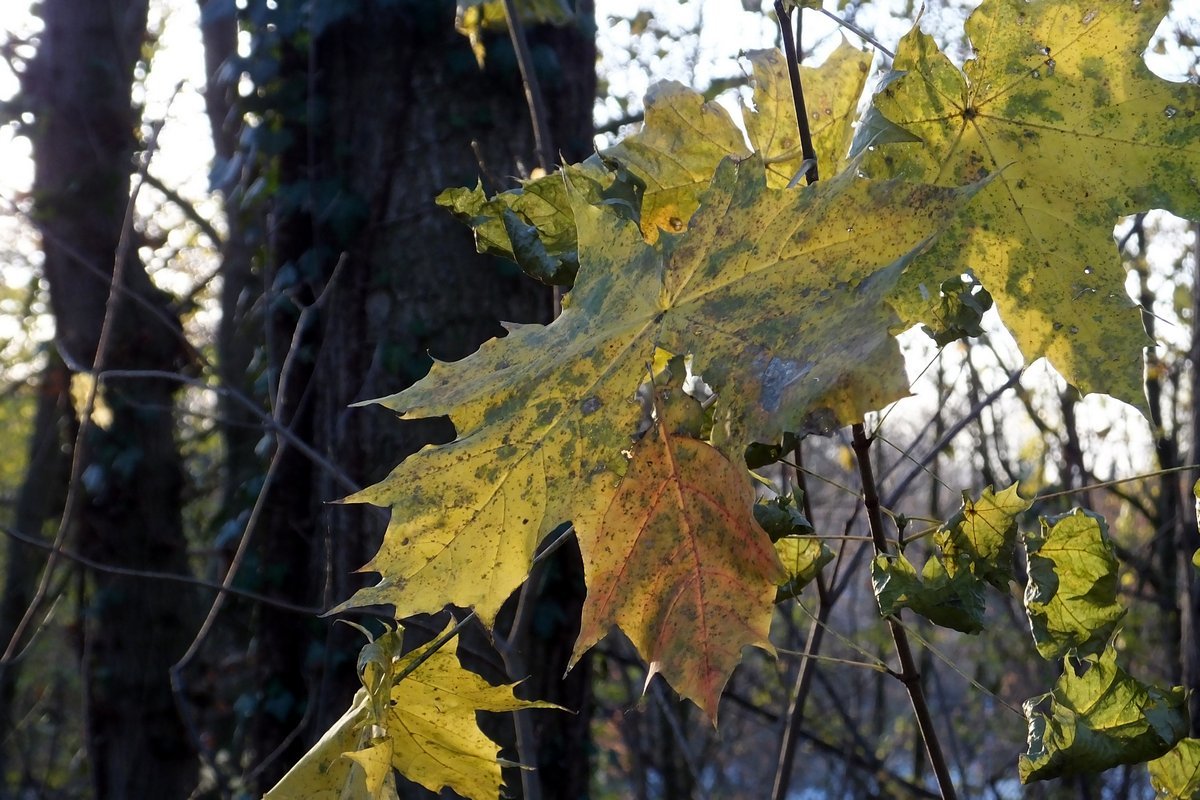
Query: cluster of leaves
{"type": "Point", "coordinates": [687, 240]}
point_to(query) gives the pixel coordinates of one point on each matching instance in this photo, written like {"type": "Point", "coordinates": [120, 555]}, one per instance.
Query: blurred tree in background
{"type": "Point", "coordinates": [233, 329]}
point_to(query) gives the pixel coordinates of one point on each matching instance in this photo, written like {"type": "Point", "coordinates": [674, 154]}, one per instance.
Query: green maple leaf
{"type": "Point", "coordinates": [985, 531]}
{"type": "Point", "coordinates": [1071, 597]}
{"type": "Point", "coordinates": [414, 716]}
{"type": "Point", "coordinates": [1176, 775]}
{"type": "Point", "coordinates": [803, 555]}
{"type": "Point", "coordinates": [952, 599]}
{"type": "Point", "coordinates": [1099, 720]}
{"type": "Point", "coordinates": [973, 546]}
{"type": "Point", "coordinates": [778, 293]}
{"type": "Point", "coordinates": [533, 224]}
{"type": "Point", "coordinates": [1057, 101]}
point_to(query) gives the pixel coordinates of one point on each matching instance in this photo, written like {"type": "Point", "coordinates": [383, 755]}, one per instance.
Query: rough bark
{"type": "Point", "coordinates": [380, 114]}
{"type": "Point", "coordinates": [239, 330]}
{"type": "Point", "coordinates": [1189, 578]}
{"type": "Point", "coordinates": [78, 87]}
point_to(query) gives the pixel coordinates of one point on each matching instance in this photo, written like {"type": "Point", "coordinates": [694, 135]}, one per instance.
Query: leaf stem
{"type": "Point", "coordinates": [542, 142]}
{"type": "Point", "coordinates": [908, 675]}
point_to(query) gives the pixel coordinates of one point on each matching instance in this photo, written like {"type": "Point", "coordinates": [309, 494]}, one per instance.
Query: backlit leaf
{"type": "Point", "coordinates": [676, 152]}
{"type": "Point", "coordinates": [783, 516]}
{"type": "Point", "coordinates": [660, 172]}
{"type": "Point", "coordinates": [962, 302]}
{"type": "Point", "coordinates": [1058, 101]}
{"type": "Point", "coordinates": [421, 724]}
{"type": "Point", "coordinates": [1176, 776]}
{"type": "Point", "coordinates": [985, 531]}
{"type": "Point", "coordinates": [1099, 720]}
{"type": "Point", "coordinates": [543, 205]}
{"type": "Point", "coordinates": [769, 289]}
{"type": "Point", "coordinates": [803, 558]}
{"type": "Point", "coordinates": [831, 94]}
{"type": "Point", "coordinates": [1071, 597]}
{"type": "Point", "coordinates": [324, 773]}
{"type": "Point", "coordinates": [675, 558]}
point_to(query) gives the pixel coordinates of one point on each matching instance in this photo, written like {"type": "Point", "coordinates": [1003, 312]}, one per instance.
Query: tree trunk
{"type": "Point", "coordinates": [379, 110]}
{"type": "Point", "coordinates": [128, 511]}
{"type": "Point", "coordinates": [39, 500]}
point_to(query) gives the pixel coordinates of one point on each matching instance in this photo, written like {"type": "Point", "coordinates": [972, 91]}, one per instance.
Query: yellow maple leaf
{"type": "Point", "coordinates": [1058, 102]}
{"type": "Point", "coordinates": [778, 293]}
{"type": "Point", "coordinates": [415, 715]}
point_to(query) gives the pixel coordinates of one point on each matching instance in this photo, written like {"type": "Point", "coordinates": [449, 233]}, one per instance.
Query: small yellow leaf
{"type": "Point", "coordinates": [676, 153]}
{"type": "Point", "coordinates": [324, 773]}
{"type": "Point", "coordinates": [427, 730]}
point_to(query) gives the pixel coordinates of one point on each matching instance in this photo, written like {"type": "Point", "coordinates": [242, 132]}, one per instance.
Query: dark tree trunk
{"type": "Point", "coordinates": [378, 111]}
{"type": "Point", "coordinates": [1189, 578]}
{"type": "Point", "coordinates": [128, 512]}
{"type": "Point", "coordinates": [39, 500]}
{"type": "Point", "coordinates": [240, 329]}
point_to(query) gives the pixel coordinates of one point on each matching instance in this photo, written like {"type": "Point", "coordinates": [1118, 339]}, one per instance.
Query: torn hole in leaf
{"type": "Point", "coordinates": [678, 396]}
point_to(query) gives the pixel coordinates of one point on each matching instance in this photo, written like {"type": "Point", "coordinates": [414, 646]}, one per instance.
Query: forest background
{"type": "Point", "coordinates": [282, 258]}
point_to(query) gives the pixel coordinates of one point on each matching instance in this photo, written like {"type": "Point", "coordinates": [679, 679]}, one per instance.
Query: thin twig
{"type": "Point", "coordinates": [812, 647]}
{"type": "Point", "coordinates": [909, 675]}
{"type": "Point", "coordinates": [74, 498]}
{"type": "Point", "coordinates": [685, 748]}
{"type": "Point", "coordinates": [804, 655]}
{"type": "Point", "coordinates": [340, 476]}
{"type": "Point", "coordinates": [260, 503]}
{"type": "Point", "coordinates": [949, 663]}
{"type": "Point", "coordinates": [510, 648]}
{"type": "Point", "coordinates": [857, 31]}
{"type": "Point", "coordinates": [1144, 476]}
{"type": "Point", "coordinates": [900, 488]}
{"type": "Point", "coordinates": [793, 64]}
{"type": "Point", "coordinates": [156, 575]}
{"type": "Point", "coordinates": [533, 90]}
{"type": "Point", "coordinates": [188, 209]}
